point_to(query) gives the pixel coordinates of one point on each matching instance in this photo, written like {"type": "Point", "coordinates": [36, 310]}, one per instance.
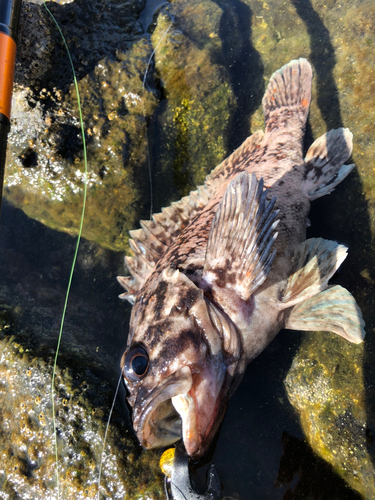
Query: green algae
{"type": "Point", "coordinates": [199, 97]}
{"type": "Point", "coordinates": [325, 385]}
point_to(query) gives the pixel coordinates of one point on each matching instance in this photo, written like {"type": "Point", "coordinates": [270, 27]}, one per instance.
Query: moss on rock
{"type": "Point", "coordinates": [82, 402]}
{"type": "Point", "coordinates": [45, 172]}
{"type": "Point", "coordinates": [330, 380]}
{"type": "Point", "coordinates": [325, 385]}
{"type": "Point", "coordinates": [198, 92]}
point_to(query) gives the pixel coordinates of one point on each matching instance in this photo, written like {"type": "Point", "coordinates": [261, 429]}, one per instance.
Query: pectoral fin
{"type": "Point", "coordinates": [314, 263]}
{"type": "Point", "coordinates": [333, 310]}
{"type": "Point", "coordinates": [239, 250]}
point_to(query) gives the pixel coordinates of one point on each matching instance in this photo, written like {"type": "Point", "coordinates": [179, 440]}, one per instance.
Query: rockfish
{"type": "Point", "coordinates": [216, 275]}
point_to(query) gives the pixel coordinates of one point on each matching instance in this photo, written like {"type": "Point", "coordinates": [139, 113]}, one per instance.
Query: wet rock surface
{"type": "Point", "coordinates": [190, 124]}
{"type": "Point", "coordinates": [330, 382]}
{"type": "Point", "coordinates": [325, 384]}
{"type": "Point", "coordinates": [45, 172]}
{"type": "Point", "coordinates": [34, 269]}
{"type": "Point", "coordinates": [28, 463]}
{"type": "Point", "coordinates": [120, 93]}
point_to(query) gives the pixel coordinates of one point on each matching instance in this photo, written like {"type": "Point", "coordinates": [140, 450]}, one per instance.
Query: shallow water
{"type": "Point", "coordinates": [203, 98]}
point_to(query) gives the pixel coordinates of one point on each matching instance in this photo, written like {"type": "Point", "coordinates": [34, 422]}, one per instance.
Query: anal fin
{"type": "Point", "coordinates": [239, 250]}
{"type": "Point", "coordinates": [333, 310]}
{"type": "Point", "coordinates": [314, 263]}
{"type": "Point", "coordinates": [325, 159]}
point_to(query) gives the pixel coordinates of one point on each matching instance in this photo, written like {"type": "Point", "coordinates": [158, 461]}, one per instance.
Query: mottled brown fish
{"type": "Point", "coordinates": [212, 282]}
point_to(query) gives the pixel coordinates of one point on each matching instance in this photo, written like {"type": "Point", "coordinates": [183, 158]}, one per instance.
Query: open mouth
{"type": "Point", "coordinates": [167, 413]}
{"type": "Point", "coordinates": [175, 409]}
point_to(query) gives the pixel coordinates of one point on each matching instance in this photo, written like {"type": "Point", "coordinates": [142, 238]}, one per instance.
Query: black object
{"type": "Point", "coordinates": [180, 484]}
{"type": "Point", "coordinates": [9, 20]}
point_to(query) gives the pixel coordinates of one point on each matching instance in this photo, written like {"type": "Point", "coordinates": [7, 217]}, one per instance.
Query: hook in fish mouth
{"type": "Point", "coordinates": [180, 485]}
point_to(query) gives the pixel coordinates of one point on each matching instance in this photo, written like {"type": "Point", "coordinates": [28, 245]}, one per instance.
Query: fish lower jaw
{"type": "Point", "coordinates": [155, 420]}
{"type": "Point", "coordinates": [163, 428]}
{"type": "Point", "coordinates": [185, 406]}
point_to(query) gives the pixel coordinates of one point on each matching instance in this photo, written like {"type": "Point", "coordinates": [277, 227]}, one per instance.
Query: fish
{"type": "Point", "coordinates": [215, 276]}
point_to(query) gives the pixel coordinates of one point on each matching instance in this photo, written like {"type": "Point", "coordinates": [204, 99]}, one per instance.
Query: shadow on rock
{"type": "Point", "coordinates": [308, 476]}
{"type": "Point", "coordinates": [244, 66]}
{"type": "Point", "coordinates": [323, 59]}
{"type": "Point", "coordinates": [349, 220]}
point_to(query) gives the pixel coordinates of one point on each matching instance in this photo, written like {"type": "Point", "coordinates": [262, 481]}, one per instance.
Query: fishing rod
{"type": "Point", "coordinates": [9, 21]}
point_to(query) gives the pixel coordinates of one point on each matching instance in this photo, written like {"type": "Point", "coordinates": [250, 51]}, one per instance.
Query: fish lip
{"type": "Point", "coordinates": [179, 382]}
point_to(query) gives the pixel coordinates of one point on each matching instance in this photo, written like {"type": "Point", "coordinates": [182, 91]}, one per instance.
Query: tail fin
{"type": "Point", "coordinates": [288, 94]}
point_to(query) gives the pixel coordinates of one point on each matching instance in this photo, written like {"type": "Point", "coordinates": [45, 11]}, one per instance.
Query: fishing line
{"type": "Point", "coordinates": [106, 432]}
{"type": "Point", "coordinates": [151, 209]}
{"type": "Point", "coordinates": [110, 413]}
{"type": "Point", "coordinates": [76, 248]}
{"type": "Point", "coordinates": [148, 149]}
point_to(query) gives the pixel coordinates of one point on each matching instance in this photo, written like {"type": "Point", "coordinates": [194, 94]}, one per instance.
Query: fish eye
{"type": "Point", "coordinates": [136, 363]}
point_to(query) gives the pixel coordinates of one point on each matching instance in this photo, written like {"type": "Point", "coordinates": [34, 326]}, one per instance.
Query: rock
{"type": "Point", "coordinates": [33, 282]}
{"type": "Point", "coordinates": [82, 404]}
{"type": "Point", "coordinates": [330, 381]}
{"type": "Point", "coordinates": [45, 168]}
{"type": "Point", "coordinates": [309, 476]}
{"type": "Point", "coordinates": [119, 94]}
{"type": "Point", "coordinates": [325, 385]}
{"type": "Point", "coordinates": [190, 124]}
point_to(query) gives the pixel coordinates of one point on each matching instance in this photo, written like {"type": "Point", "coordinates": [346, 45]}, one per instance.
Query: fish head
{"type": "Point", "coordinates": [175, 368]}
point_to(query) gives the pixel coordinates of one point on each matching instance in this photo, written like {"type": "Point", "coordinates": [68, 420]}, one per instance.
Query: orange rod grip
{"type": "Point", "coordinates": [7, 63]}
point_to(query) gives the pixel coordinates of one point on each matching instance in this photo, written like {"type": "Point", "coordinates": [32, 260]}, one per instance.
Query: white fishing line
{"type": "Point", "coordinates": [146, 134]}
{"type": "Point", "coordinates": [110, 413]}
{"type": "Point", "coordinates": [106, 432]}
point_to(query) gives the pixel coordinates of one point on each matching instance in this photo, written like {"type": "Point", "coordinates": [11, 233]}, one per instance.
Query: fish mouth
{"type": "Point", "coordinates": [175, 409]}
{"type": "Point", "coordinates": [157, 421]}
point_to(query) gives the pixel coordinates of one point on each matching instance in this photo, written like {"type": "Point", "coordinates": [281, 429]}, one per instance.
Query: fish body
{"type": "Point", "coordinates": [215, 276]}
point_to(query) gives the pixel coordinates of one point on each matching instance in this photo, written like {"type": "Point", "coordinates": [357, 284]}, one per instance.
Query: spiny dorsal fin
{"type": "Point", "coordinates": [314, 263]}
{"type": "Point", "coordinates": [151, 242]}
{"type": "Point", "coordinates": [129, 283]}
{"type": "Point", "coordinates": [239, 250]}
{"type": "Point", "coordinates": [333, 310]}
{"type": "Point", "coordinates": [325, 159]}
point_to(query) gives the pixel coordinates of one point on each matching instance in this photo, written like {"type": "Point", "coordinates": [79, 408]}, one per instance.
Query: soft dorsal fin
{"type": "Point", "coordinates": [239, 250]}
{"type": "Point", "coordinates": [236, 162]}
{"type": "Point", "coordinates": [151, 241]}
